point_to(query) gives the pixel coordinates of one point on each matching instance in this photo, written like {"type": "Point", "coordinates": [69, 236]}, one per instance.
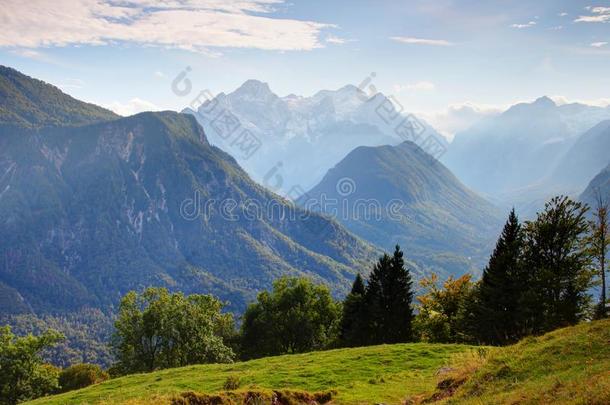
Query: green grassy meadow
{"type": "Point", "coordinates": [567, 366]}
{"type": "Point", "coordinates": [386, 373]}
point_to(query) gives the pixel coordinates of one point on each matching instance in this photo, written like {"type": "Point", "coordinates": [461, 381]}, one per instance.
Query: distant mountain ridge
{"type": "Point", "coordinates": [441, 224]}
{"type": "Point", "coordinates": [89, 212]}
{"type": "Point", "coordinates": [589, 154]}
{"type": "Point", "coordinates": [302, 137]}
{"type": "Point", "coordinates": [503, 156]}
{"type": "Point", "coordinates": [599, 186]}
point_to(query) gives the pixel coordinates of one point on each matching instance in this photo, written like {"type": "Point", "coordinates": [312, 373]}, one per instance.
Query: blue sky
{"type": "Point", "coordinates": [432, 55]}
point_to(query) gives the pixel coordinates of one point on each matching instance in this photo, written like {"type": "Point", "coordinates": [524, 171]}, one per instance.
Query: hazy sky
{"type": "Point", "coordinates": [434, 56]}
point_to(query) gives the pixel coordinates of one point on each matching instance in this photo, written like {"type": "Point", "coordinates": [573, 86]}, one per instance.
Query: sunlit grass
{"type": "Point", "coordinates": [568, 366]}
{"type": "Point", "coordinates": [386, 373]}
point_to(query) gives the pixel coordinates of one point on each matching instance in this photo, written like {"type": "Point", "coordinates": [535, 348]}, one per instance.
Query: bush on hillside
{"type": "Point", "coordinates": [81, 376]}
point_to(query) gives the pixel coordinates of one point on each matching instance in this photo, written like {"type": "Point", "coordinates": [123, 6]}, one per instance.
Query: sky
{"type": "Point", "coordinates": [451, 61]}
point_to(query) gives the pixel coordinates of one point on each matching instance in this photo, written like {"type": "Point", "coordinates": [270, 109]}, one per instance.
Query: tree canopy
{"type": "Point", "coordinates": [158, 329]}
{"type": "Point", "coordinates": [295, 317]}
{"type": "Point", "coordinates": [23, 376]}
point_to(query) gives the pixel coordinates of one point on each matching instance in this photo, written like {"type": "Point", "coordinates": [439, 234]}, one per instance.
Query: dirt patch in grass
{"type": "Point", "coordinates": [254, 397]}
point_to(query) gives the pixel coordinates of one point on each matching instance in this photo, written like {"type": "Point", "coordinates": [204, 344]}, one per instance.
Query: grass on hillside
{"type": "Point", "coordinates": [387, 373]}
{"type": "Point", "coordinates": [567, 366]}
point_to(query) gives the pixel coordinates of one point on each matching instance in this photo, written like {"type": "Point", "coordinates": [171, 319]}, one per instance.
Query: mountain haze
{"type": "Point", "coordinates": [509, 156]}
{"type": "Point", "coordinates": [599, 186]}
{"type": "Point", "coordinates": [589, 155]}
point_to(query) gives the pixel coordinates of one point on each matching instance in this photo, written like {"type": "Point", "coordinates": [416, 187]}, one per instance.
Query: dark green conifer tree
{"type": "Point", "coordinates": [388, 301]}
{"type": "Point", "coordinates": [497, 307]}
{"type": "Point", "coordinates": [353, 321]}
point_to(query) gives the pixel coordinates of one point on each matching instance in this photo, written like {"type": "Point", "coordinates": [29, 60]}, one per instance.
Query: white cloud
{"type": "Point", "coordinates": [600, 102]}
{"type": "Point", "coordinates": [31, 54]}
{"type": "Point", "coordinates": [159, 74]}
{"type": "Point", "coordinates": [419, 86]}
{"type": "Point", "coordinates": [460, 116]}
{"type": "Point", "coordinates": [27, 53]}
{"type": "Point", "coordinates": [599, 10]}
{"type": "Point", "coordinates": [195, 25]}
{"type": "Point", "coordinates": [331, 39]}
{"type": "Point", "coordinates": [598, 18]}
{"type": "Point", "coordinates": [598, 44]}
{"type": "Point", "coordinates": [601, 15]}
{"type": "Point", "coordinates": [562, 14]}
{"type": "Point", "coordinates": [526, 25]}
{"type": "Point", "coordinates": [422, 41]}
{"type": "Point", "coordinates": [133, 106]}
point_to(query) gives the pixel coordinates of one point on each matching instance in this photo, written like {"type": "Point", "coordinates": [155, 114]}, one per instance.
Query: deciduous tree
{"type": "Point", "coordinates": [558, 266]}
{"type": "Point", "coordinates": [296, 317]}
{"type": "Point", "coordinates": [23, 376]}
{"type": "Point", "coordinates": [157, 329]}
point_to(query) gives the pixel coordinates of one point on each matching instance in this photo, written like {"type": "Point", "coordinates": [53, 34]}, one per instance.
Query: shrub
{"type": "Point", "coordinates": [232, 383]}
{"type": "Point", "coordinates": [81, 376]}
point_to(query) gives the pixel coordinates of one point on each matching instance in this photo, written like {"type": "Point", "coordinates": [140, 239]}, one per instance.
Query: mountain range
{"type": "Point", "coordinates": [93, 205]}
{"type": "Point", "coordinates": [401, 194]}
{"type": "Point", "coordinates": [530, 151]}
{"type": "Point", "coordinates": [301, 138]}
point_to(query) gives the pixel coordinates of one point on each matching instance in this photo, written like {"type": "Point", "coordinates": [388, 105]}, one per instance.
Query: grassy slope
{"type": "Point", "coordinates": [568, 366]}
{"type": "Point", "coordinates": [363, 375]}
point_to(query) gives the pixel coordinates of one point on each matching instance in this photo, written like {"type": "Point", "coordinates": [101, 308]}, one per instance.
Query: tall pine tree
{"type": "Point", "coordinates": [353, 322]}
{"type": "Point", "coordinates": [388, 299]}
{"type": "Point", "coordinates": [497, 309]}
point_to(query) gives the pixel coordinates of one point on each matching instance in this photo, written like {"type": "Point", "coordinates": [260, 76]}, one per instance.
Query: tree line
{"type": "Point", "coordinates": [539, 278]}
